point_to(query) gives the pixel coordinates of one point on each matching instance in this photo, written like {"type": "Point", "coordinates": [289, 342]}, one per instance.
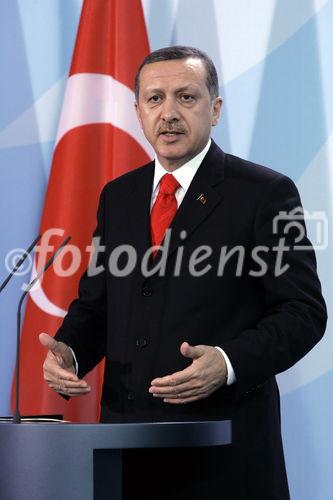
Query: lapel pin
{"type": "Point", "coordinates": [202, 198]}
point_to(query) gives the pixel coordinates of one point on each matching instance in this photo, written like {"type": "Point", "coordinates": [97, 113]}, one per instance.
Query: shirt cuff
{"type": "Point", "coordinates": [75, 360]}
{"type": "Point", "coordinates": [231, 377]}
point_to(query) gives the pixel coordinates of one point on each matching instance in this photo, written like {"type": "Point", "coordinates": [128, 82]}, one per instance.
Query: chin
{"type": "Point", "coordinates": [172, 151]}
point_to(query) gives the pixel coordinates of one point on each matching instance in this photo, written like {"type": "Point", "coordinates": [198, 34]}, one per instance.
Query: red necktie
{"type": "Point", "coordinates": [164, 209]}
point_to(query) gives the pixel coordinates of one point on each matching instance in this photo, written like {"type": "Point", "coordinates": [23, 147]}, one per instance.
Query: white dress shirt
{"type": "Point", "coordinates": [184, 175]}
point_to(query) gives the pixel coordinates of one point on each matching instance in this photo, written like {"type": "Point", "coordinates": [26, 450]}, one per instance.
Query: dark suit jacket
{"type": "Point", "coordinates": [265, 324]}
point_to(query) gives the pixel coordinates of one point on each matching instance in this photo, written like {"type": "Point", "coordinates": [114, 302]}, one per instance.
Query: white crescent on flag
{"type": "Point", "coordinates": [106, 100]}
{"type": "Point", "coordinates": [41, 300]}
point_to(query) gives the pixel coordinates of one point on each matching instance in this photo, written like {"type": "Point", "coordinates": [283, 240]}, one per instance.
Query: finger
{"type": "Point", "coordinates": [198, 385]}
{"type": "Point", "coordinates": [174, 379]}
{"type": "Point", "coordinates": [177, 389]}
{"type": "Point", "coordinates": [193, 352]}
{"type": "Point", "coordinates": [166, 395]}
{"type": "Point", "coordinates": [192, 392]}
{"type": "Point", "coordinates": [67, 384]}
{"type": "Point", "coordinates": [48, 341]}
{"type": "Point", "coordinates": [179, 395]}
{"type": "Point", "coordinates": [73, 394]}
{"type": "Point", "coordinates": [181, 401]}
{"type": "Point", "coordinates": [52, 344]}
{"type": "Point", "coordinates": [70, 392]}
{"type": "Point", "coordinates": [62, 384]}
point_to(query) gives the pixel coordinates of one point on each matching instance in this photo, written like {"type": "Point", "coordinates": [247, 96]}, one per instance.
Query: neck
{"type": "Point", "coordinates": [172, 165]}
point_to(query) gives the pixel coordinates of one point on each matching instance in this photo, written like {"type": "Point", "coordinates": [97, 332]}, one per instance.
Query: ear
{"type": "Point", "coordinates": [216, 111]}
{"type": "Point", "coordinates": [138, 113]}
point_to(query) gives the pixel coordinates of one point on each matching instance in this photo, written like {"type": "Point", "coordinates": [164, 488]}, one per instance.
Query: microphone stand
{"type": "Point", "coordinates": [16, 414]}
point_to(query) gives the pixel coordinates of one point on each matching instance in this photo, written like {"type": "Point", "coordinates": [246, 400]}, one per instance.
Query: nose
{"type": "Point", "coordinates": [169, 111]}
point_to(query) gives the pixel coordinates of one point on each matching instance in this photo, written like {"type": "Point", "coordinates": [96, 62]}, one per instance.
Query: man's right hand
{"type": "Point", "coordinates": [59, 370]}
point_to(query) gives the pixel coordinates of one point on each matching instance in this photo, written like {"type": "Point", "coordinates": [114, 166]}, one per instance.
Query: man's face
{"type": "Point", "coordinates": [175, 109]}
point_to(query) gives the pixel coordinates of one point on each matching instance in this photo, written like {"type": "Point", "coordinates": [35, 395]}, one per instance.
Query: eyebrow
{"type": "Point", "coordinates": [180, 89]}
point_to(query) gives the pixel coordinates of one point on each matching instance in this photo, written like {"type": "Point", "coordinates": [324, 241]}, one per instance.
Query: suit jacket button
{"type": "Point", "coordinates": [130, 396]}
{"type": "Point", "coordinates": [147, 291]}
{"type": "Point", "coordinates": [141, 342]}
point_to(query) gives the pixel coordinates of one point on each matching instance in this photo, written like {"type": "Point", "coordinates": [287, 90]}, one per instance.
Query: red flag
{"type": "Point", "coordinates": [98, 139]}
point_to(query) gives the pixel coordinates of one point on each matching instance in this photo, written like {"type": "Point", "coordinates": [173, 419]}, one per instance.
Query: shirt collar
{"type": "Point", "coordinates": [183, 174]}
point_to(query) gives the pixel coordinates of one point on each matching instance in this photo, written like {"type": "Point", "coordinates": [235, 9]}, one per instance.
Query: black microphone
{"type": "Point", "coordinates": [16, 415]}
{"type": "Point", "coordinates": [20, 262]}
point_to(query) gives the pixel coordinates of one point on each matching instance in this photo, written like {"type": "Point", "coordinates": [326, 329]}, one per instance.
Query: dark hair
{"type": "Point", "coordinates": [181, 52]}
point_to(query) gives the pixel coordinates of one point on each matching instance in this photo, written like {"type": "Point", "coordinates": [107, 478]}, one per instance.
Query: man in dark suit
{"type": "Point", "coordinates": [197, 327]}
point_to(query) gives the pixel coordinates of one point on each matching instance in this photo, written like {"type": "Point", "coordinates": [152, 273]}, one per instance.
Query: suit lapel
{"type": "Point", "coordinates": [138, 208]}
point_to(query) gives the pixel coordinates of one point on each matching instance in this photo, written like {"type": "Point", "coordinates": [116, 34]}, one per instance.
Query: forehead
{"type": "Point", "coordinates": [173, 73]}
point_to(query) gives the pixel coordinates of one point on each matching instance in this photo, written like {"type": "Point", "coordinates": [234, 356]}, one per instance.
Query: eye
{"type": "Point", "coordinates": [154, 98]}
{"type": "Point", "coordinates": [187, 98]}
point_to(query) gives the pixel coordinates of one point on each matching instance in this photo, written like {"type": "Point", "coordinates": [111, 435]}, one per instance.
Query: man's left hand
{"type": "Point", "coordinates": [207, 372]}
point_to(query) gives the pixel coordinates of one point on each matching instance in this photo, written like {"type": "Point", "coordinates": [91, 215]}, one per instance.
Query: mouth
{"type": "Point", "coordinates": [170, 136]}
{"type": "Point", "coordinates": [170, 133]}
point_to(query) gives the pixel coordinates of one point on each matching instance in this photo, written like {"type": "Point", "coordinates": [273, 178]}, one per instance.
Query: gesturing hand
{"type": "Point", "coordinates": [59, 370]}
{"type": "Point", "coordinates": [207, 373]}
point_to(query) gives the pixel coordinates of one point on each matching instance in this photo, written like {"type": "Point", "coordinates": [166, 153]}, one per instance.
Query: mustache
{"type": "Point", "coordinates": [171, 128]}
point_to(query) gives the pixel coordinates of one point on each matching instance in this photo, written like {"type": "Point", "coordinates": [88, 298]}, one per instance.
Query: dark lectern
{"type": "Point", "coordinates": [84, 462]}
